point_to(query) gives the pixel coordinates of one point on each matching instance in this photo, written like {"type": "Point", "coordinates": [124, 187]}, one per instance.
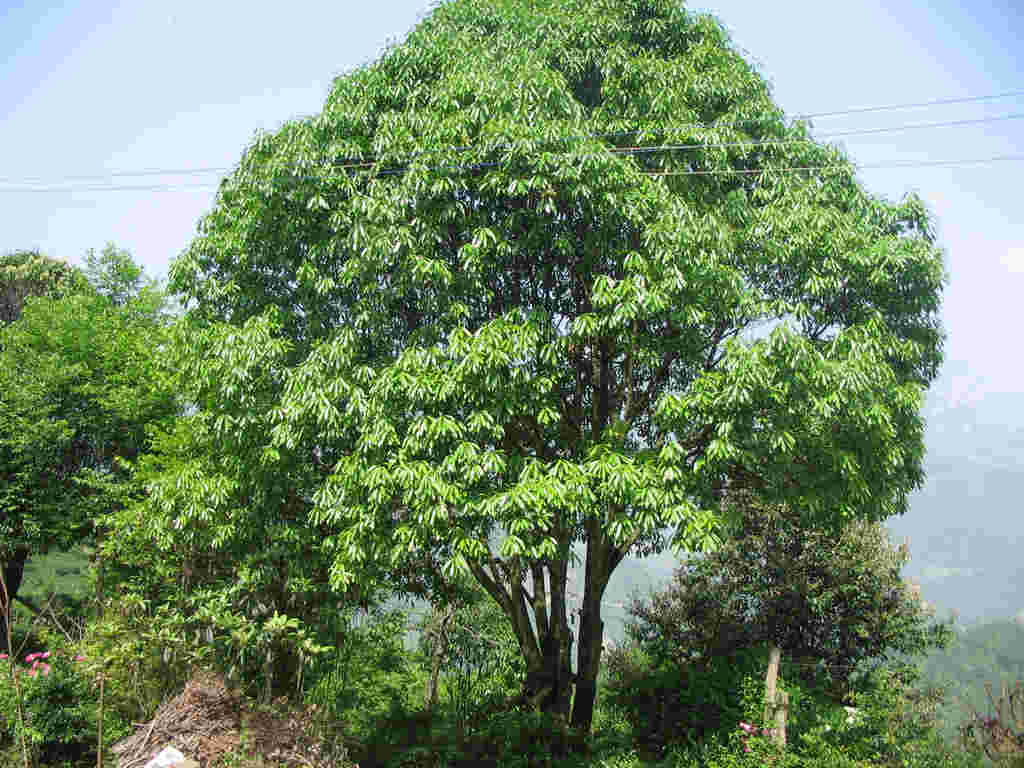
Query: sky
{"type": "Point", "coordinates": [95, 88]}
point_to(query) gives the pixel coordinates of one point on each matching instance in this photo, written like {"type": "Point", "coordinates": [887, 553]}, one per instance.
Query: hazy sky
{"type": "Point", "coordinates": [93, 88]}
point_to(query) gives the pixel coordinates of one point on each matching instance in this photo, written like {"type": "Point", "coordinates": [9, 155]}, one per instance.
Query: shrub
{"type": "Point", "coordinates": [1001, 737]}
{"type": "Point", "coordinates": [60, 705]}
{"type": "Point", "coordinates": [518, 739]}
{"type": "Point", "coordinates": [366, 679]}
{"type": "Point", "coordinates": [668, 702]}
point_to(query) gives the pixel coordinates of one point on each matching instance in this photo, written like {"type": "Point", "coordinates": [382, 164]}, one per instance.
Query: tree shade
{"type": "Point", "coordinates": [561, 268]}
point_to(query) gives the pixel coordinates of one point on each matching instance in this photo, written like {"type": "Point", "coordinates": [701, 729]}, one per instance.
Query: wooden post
{"type": "Point", "coordinates": [781, 713]}
{"type": "Point", "coordinates": [770, 679]}
{"type": "Point", "coordinates": [776, 703]}
{"type": "Point", "coordinates": [99, 727]}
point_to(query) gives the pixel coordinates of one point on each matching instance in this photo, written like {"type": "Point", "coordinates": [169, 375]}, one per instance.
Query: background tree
{"type": "Point", "coordinates": [114, 273]}
{"type": "Point", "coordinates": [24, 274]}
{"type": "Point", "coordinates": [30, 273]}
{"type": "Point", "coordinates": [830, 602]}
{"type": "Point", "coordinates": [459, 302]}
{"type": "Point", "coordinates": [76, 398]}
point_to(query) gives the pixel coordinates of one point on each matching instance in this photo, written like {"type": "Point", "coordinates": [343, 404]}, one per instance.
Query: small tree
{"type": "Point", "coordinates": [835, 600]}
{"type": "Point", "coordinates": [114, 273]}
{"type": "Point", "coordinates": [77, 396]}
{"type": "Point", "coordinates": [29, 273]}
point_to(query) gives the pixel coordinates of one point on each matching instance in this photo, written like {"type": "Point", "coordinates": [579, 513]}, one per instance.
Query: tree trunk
{"type": "Point", "coordinates": [440, 633]}
{"type": "Point", "coordinates": [588, 665]}
{"type": "Point", "coordinates": [602, 558]}
{"type": "Point", "coordinates": [14, 570]}
{"type": "Point", "coordinates": [546, 643]}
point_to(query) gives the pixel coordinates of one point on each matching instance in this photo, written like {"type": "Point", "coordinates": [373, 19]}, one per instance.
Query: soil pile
{"type": "Point", "coordinates": [206, 723]}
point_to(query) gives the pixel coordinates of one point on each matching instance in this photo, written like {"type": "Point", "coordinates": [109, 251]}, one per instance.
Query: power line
{"type": "Point", "coordinates": [912, 105]}
{"type": "Point", "coordinates": [751, 121]}
{"type": "Point", "coordinates": [860, 166]}
{"type": "Point", "coordinates": [802, 116]}
{"type": "Point", "coordinates": [118, 174]}
{"type": "Point", "coordinates": [688, 172]}
{"type": "Point", "coordinates": [837, 134]}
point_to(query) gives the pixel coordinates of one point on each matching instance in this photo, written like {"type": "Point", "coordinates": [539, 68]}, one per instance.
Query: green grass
{"type": "Point", "coordinates": [62, 573]}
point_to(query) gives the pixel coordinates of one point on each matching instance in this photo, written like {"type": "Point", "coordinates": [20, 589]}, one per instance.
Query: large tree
{"type": "Point", "coordinates": [560, 270]}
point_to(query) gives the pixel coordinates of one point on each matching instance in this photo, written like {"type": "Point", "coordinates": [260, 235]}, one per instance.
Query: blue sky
{"type": "Point", "coordinates": [95, 87]}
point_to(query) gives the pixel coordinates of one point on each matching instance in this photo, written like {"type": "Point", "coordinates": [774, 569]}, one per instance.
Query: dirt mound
{"type": "Point", "coordinates": [206, 722]}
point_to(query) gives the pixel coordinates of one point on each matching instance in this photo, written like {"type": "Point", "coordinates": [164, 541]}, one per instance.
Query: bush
{"type": "Point", "coordinates": [670, 703]}
{"type": "Point", "coordinates": [366, 679]}
{"type": "Point", "coordinates": [60, 706]}
{"type": "Point", "coordinates": [689, 714]}
{"type": "Point", "coordinates": [1000, 737]}
{"type": "Point", "coordinates": [145, 656]}
{"type": "Point", "coordinates": [518, 740]}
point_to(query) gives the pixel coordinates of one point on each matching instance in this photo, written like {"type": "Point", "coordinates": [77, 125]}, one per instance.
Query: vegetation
{"type": "Point", "coordinates": [440, 335]}
{"type": "Point", "coordinates": [76, 399]}
{"type": "Point", "coordinates": [985, 655]}
{"type": "Point", "coordinates": [452, 309]}
{"type": "Point", "coordinates": [373, 693]}
{"type": "Point", "coordinates": [830, 603]}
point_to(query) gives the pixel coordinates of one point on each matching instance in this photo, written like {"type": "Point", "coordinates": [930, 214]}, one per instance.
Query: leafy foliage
{"type": "Point", "coordinates": [666, 702]}
{"type": "Point", "coordinates": [456, 303]}
{"type": "Point", "coordinates": [477, 653]}
{"type": "Point", "coordinates": [74, 378]}
{"type": "Point", "coordinates": [77, 395]}
{"type": "Point", "coordinates": [366, 684]}
{"type": "Point", "coordinates": [60, 705]}
{"type": "Point", "coordinates": [114, 274]}
{"type": "Point", "coordinates": [24, 274]}
{"type": "Point", "coordinates": [836, 600]}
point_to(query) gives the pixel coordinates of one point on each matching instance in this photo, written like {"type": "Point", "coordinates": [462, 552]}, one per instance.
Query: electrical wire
{"type": "Point", "coordinates": [688, 172]}
{"type": "Point", "coordinates": [914, 105]}
{"type": "Point", "coordinates": [370, 163]}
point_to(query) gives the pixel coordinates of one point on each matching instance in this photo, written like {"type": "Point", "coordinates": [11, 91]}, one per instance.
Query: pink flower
{"type": "Point", "coordinates": [79, 657]}
{"type": "Point", "coordinates": [44, 655]}
{"type": "Point", "coordinates": [32, 657]}
{"type": "Point", "coordinates": [46, 669]}
{"type": "Point", "coordinates": [4, 656]}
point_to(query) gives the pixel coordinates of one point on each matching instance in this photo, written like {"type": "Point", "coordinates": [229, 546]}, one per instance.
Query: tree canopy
{"type": "Point", "coordinates": [560, 270]}
{"type": "Point", "coordinates": [29, 273]}
{"type": "Point", "coordinates": [77, 396]}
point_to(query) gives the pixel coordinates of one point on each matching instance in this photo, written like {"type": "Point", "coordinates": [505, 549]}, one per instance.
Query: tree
{"type": "Point", "coordinates": [114, 273]}
{"type": "Point", "coordinates": [460, 302]}
{"type": "Point", "coordinates": [24, 274]}
{"type": "Point", "coordinates": [76, 398]}
{"type": "Point", "coordinates": [30, 273]}
{"type": "Point", "coordinates": [830, 603]}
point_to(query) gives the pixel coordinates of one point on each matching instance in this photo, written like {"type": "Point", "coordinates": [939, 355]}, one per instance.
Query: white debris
{"type": "Point", "coordinates": [169, 757]}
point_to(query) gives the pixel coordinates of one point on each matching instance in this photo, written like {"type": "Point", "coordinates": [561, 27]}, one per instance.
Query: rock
{"type": "Point", "coordinates": [170, 757]}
